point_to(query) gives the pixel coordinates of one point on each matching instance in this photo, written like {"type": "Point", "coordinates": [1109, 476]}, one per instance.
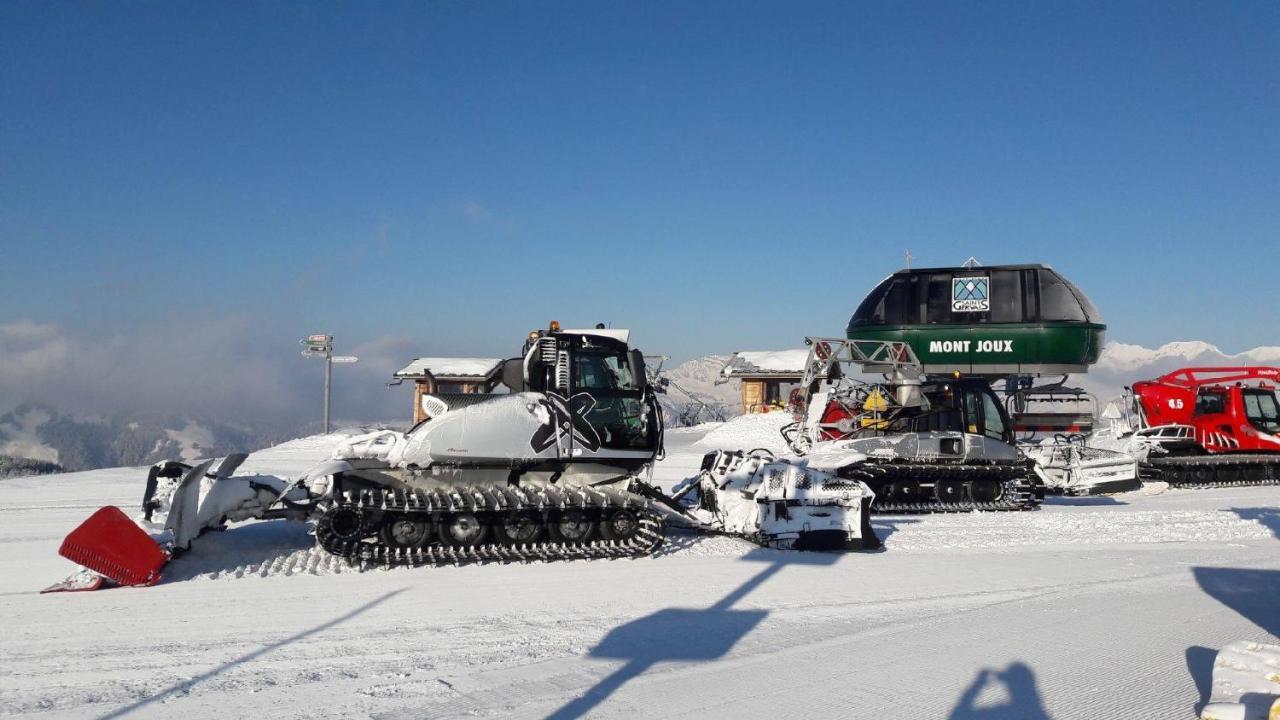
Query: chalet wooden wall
{"type": "Point", "coordinates": [427, 387]}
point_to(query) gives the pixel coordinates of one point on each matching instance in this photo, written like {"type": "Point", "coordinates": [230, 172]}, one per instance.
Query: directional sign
{"type": "Point", "coordinates": [320, 339]}
{"type": "Point", "coordinates": [344, 359]}
{"type": "Point", "coordinates": [314, 352]}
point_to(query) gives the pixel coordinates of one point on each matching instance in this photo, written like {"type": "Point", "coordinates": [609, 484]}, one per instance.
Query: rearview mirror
{"type": "Point", "coordinates": [635, 359]}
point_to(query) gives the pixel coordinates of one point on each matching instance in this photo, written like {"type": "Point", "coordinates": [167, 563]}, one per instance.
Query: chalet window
{"type": "Point", "coordinates": [777, 392]}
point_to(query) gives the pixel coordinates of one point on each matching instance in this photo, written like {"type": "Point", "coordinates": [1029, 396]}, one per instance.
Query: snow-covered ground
{"type": "Point", "coordinates": [1088, 608]}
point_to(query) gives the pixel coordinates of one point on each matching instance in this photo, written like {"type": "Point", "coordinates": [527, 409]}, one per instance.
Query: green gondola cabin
{"type": "Point", "coordinates": [996, 321]}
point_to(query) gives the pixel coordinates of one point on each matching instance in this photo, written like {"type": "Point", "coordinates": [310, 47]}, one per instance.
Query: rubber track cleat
{"type": "Point", "coordinates": [113, 546]}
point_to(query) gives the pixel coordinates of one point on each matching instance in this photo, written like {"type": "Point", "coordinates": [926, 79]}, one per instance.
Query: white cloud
{"type": "Point", "coordinates": [225, 369]}
{"type": "Point", "coordinates": [31, 351]}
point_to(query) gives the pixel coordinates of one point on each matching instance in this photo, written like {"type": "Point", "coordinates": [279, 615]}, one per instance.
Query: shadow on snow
{"type": "Point", "coordinates": [684, 634]}
{"type": "Point", "coordinates": [1267, 517]}
{"type": "Point", "coordinates": [1200, 665]}
{"type": "Point", "coordinates": [885, 527]}
{"type": "Point", "coordinates": [240, 547]}
{"type": "Point", "coordinates": [185, 686]}
{"type": "Point", "coordinates": [1251, 593]}
{"type": "Point", "coordinates": [1021, 699]}
{"type": "Point", "coordinates": [1083, 500]}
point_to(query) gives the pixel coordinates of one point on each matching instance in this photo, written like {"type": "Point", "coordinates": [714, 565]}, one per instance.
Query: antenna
{"type": "Point", "coordinates": [908, 257]}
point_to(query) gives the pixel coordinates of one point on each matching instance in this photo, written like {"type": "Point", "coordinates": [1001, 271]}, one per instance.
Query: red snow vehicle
{"type": "Point", "coordinates": [1212, 426]}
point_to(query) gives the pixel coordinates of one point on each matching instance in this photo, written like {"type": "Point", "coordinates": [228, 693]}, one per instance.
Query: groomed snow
{"type": "Point", "coordinates": [1090, 607]}
{"type": "Point", "coordinates": [747, 432]}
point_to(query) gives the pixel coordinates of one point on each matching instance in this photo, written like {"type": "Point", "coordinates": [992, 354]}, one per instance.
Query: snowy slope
{"type": "Point", "coordinates": [1095, 607]}
{"type": "Point", "coordinates": [1121, 364]}
{"type": "Point", "coordinates": [695, 383]}
{"type": "Point", "coordinates": [20, 435]}
{"type": "Point", "coordinates": [82, 443]}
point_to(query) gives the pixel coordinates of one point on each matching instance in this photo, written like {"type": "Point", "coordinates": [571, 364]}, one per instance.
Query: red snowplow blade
{"type": "Point", "coordinates": [112, 545]}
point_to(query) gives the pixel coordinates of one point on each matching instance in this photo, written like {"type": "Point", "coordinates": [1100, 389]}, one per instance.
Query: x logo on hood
{"type": "Point", "coordinates": [568, 415]}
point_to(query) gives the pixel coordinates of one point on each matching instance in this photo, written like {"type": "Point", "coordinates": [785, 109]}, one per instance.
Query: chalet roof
{"type": "Point", "coordinates": [447, 368]}
{"type": "Point", "coordinates": [776, 363]}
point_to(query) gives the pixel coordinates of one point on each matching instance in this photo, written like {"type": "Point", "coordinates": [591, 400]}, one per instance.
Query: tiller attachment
{"type": "Point", "coordinates": [112, 545]}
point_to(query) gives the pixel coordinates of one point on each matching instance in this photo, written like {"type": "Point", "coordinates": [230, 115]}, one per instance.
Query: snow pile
{"type": "Point", "coordinates": [1246, 682]}
{"type": "Point", "coordinates": [748, 432]}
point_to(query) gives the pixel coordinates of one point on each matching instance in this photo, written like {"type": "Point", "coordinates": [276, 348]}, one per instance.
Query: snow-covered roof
{"type": "Point", "coordinates": [615, 333]}
{"type": "Point", "coordinates": [776, 362]}
{"type": "Point", "coordinates": [445, 368]}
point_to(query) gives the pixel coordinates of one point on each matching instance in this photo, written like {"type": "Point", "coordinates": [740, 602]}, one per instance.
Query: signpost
{"type": "Point", "coordinates": [321, 346]}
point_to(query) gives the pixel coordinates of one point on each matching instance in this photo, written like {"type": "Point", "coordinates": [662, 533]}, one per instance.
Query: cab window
{"type": "Point", "coordinates": [1006, 296]}
{"type": "Point", "coordinates": [1262, 410]}
{"type": "Point", "coordinates": [893, 302]}
{"type": "Point", "coordinates": [993, 421]}
{"type": "Point", "coordinates": [1057, 302]}
{"type": "Point", "coordinates": [1211, 402]}
{"type": "Point", "coordinates": [592, 371]}
{"type": "Point", "coordinates": [618, 413]}
{"type": "Point", "coordinates": [972, 416]}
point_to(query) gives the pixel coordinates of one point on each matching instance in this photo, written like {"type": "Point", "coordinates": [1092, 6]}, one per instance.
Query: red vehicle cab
{"type": "Point", "coordinates": [1232, 409]}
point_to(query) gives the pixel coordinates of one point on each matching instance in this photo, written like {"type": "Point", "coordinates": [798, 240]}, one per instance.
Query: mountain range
{"type": "Point", "coordinates": [36, 439]}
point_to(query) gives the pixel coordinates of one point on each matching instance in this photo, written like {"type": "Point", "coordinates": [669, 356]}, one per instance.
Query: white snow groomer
{"type": "Point", "coordinates": [920, 443]}
{"type": "Point", "coordinates": [549, 470]}
{"type": "Point", "coordinates": [778, 502]}
{"type": "Point", "coordinates": [1055, 425]}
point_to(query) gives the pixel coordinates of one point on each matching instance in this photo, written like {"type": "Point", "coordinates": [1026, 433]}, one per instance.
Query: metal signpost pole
{"type": "Point", "coordinates": [328, 376]}
{"type": "Point", "coordinates": [321, 346]}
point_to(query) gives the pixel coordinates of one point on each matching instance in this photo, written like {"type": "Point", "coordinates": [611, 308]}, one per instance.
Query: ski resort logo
{"type": "Point", "coordinates": [568, 416]}
{"type": "Point", "coordinates": [970, 294]}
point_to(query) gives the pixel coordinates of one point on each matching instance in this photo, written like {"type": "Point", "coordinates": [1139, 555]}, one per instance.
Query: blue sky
{"type": "Point", "coordinates": [716, 176]}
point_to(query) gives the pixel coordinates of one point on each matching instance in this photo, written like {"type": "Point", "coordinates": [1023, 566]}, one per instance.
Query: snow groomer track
{"type": "Point", "coordinates": [527, 511]}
